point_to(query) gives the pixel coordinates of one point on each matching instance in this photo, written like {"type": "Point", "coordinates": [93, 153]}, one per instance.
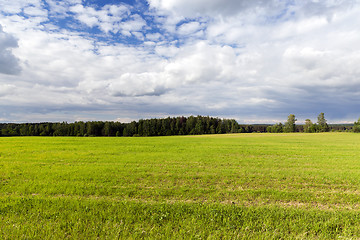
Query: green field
{"type": "Point", "coordinates": [241, 186]}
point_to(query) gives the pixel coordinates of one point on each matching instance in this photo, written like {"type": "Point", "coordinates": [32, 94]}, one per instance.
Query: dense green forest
{"type": "Point", "coordinates": [150, 127]}
{"type": "Point", "coordinates": [165, 127]}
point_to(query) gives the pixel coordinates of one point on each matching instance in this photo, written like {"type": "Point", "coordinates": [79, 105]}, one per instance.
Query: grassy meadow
{"type": "Point", "coordinates": [239, 186]}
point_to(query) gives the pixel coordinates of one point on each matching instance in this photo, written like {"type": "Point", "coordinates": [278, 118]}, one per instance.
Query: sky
{"type": "Point", "coordinates": [254, 61]}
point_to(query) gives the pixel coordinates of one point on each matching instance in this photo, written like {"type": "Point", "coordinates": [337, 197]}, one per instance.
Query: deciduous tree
{"type": "Point", "coordinates": [290, 124]}
{"type": "Point", "coordinates": [309, 126]}
{"type": "Point", "coordinates": [322, 125]}
{"type": "Point", "coordinates": [356, 127]}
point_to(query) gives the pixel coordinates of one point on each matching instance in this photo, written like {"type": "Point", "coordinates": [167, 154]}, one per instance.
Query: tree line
{"type": "Point", "coordinates": [308, 127]}
{"type": "Point", "coordinates": [193, 125]}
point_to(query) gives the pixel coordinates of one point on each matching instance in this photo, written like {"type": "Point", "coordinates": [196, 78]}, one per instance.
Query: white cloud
{"type": "Point", "coordinates": [7, 89]}
{"type": "Point", "coordinates": [134, 23]}
{"type": "Point", "coordinates": [167, 51]}
{"type": "Point", "coordinates": [272, 8]}
{"type": "Point", "coordinates": [16, 6]}
{"type": "Point", "coordinates": [141, 84]}
{"type": "Point", "coordinates": [153, 36]}
{"type": "Point", "coordinates": [87, 15]}
{"type": "Point", "coordinates": [61, 8]}
{"type": "Point", "coordinates": [110, 18]}
{"type": "Point", "coordinates": [35, 11]}
{"type": "Point", "coordinates": [138, 35]}
{"type": "Point", "coordinates": [189, 8]}
{"type": "Point", "coordinates": [189, 28]}
{"type": "Point", "coordinates": [202, 62]}
{"type": "Point", "coordinates": [116, 10]}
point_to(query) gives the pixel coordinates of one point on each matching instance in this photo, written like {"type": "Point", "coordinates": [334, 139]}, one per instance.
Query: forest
{"type": "Point", "coordinates": [193, 125]}
{"type": "Point", "coordinates": [150, 127]}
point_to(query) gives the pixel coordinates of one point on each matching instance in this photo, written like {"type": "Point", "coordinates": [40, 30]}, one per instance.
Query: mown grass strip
{"type": "Point", "coordinates": [37, 218]}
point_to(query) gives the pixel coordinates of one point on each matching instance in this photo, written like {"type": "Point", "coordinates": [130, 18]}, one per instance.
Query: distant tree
{"type": "Point", "coordinates": [356, 127]}
{"type": "Point", "coordinates": [322, 125]}
{"type": "Point", "coordinates": [198, 129]}
{"type": "Point", "coordinates": [309, 127]}
{"type": "Point", "coordinates": [212, 129]}
{"type": "Point", "coordinates": [269, 129]}
{"type": "Point", "coordinates": [190, 125]}
{"type": "Point", "coordinates": [219, 127]}
{"type": "Point", "coordinates": [125, 132]}
{"type": "Point", "coordinates": [277, 128]}
{"type": "Point", "coordinates": [241, 129]}
{"type": "Point", "coordinates": [36, 130]}
{"type": "Point", "coordinates": [79, 128]}
{"type": "Point", "coordinates": [290, 124]}
{"type": "Point", "coordinates": [234, 126]}
{"type": "Point", "coordinates": [130, 129]}
{"type": "Point", "coordinates": [178, 125]}
{"type": "Point", "coordinates": [24, 130]}
{"type": "Point", "coordinates": [165, 127]}
{"type": "Point", "coordinates": [108, 129]}
{"type": "Point", "coordinates": [249, 129]}
{"type": "Point", "coordinates": [141, 124]}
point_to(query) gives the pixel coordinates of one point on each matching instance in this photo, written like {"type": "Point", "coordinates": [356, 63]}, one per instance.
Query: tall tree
{"type": "Point", "coordinates": [277, 128]}
{"type": "Point", "coordinates": [356, 127]}
{"type": "Point", "coordinates": [290, 124]}
{"type": "Point", "coordinates": [309, 126]}
{"type": "Point", "coordinates": [322, 125]}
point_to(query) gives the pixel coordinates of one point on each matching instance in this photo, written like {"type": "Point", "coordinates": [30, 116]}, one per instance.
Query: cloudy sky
{"type": "Point", "coordinates": [252, 60]}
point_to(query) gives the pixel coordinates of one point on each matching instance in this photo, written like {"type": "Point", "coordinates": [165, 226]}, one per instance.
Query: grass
{"type": "Point", "coordinates": [245, 186]}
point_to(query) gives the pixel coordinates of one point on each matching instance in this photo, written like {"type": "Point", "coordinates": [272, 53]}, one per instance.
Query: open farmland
{"type": "Point", "coordinates": [210, 186]}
